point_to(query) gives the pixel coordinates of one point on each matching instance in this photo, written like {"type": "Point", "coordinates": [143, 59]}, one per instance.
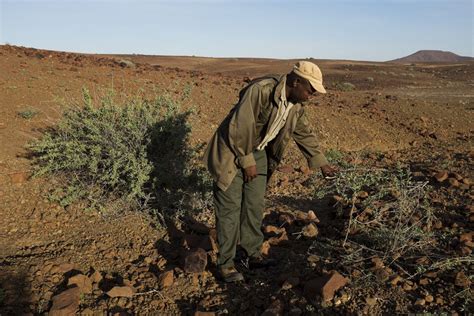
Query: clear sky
{"type": "Point", "coordinates": [353, 29]}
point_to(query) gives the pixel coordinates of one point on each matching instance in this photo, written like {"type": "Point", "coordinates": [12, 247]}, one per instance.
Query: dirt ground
{"type": "Point", "coordinates": [375, 113]}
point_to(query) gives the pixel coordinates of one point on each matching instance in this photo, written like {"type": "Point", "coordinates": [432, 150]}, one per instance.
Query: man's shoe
{"type": "Point", "coordinates": [256, 262]}
{"type": "Point", "coordinates": [231, 274]}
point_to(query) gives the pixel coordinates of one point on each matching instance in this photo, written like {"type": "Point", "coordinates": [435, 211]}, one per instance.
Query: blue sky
{"type": "Point", "coordinates": [352, 29]}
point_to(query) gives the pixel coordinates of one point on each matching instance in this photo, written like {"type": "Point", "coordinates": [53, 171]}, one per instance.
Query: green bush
{"type": "Point", "coordinates": [131, 151]}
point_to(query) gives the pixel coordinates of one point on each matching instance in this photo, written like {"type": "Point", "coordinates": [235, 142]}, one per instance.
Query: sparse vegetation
{"type": "Point", "coordinates": [28, 114]}
{"type": "Point", "coordinates": [345, 86]}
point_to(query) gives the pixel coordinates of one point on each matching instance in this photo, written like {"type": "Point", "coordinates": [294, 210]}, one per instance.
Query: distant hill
{"type": "Point", "coordinates": [432, 56]}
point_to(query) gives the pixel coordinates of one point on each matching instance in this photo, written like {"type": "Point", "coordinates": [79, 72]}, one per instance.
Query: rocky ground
{"type": "Point", "coordinates": [57, 260]}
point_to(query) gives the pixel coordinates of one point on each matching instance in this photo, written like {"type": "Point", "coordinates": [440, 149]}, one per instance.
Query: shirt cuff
{"type": "Point", "coordinates": [247, 161]}
{"type": "Point", "coordinates": [317, 162]}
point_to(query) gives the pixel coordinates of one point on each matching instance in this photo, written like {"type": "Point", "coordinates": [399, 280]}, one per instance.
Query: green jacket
{"type": "Point", "coordinates": [242, 130]}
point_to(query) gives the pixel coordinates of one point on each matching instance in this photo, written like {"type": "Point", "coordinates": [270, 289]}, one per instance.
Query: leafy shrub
{"type": "Point", "coordinates": [132, 152]}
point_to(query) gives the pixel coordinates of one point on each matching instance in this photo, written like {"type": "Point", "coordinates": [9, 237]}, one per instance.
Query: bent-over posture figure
{"type": "Point", "coordinates": [246, 149]}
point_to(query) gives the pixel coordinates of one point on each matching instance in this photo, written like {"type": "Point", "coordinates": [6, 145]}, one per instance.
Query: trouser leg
{"type": "Point", "coordinates": [251, 236]}
{"type": "Point", "coordinates": [228, 204]}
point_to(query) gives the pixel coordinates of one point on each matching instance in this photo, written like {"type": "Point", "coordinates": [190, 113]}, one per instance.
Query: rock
{"type": "Point", "coordinates": [396, 280]}
{"type": "Point", "coordinates": [121, 291]}
{"type": "Point", "coordinates": [265, 248]}
{"type": "Point", "coordinates": [441, 176]}
{"type": "Point", "coordinates": [462, 280]}
{"type": "Point", "coordinates": [424, 281]}
{"type": "Point", "coordinates": [325, 286]}
{"type": "Point", "coordinates": [66, 303]}
{"type": "Point", "coordinates": [286, 219]}
{"type": "Point", "coordinates": [166, 279]}
{"type": "Point", "coordinates": [467, 181]}
{"type": "Point", "coordinates": [429, 298]}
{"type": "Point", "coordinates": [276, 308]}
{"type": "Point", "coordinates": [199, 313]}
{"type": "Point", "coordinates": [310, 231]}
{"type": "Point", "coordinates": [82, 282]}
{"type": "Point", "coordinates": [63, 268]}
{"type": "Point", "coordinates": [290, 283]}
{"type": "Point", "coordinates": [95, 277]}
{"type": "Point", "coordinates": [371, 301]}
{"type": "Point", "coordinates": [195, 261]}
{"type": "Point", "coordinates": [277, 240]}
{"type": "Point", "coordinates": [305, 170]}
{"type": "Point", "coordinates": [420, 302]}
{"type": "Point", "coordinates": [466, 237]}
{"type": "Point", "coordinates": [295, 311]}
{"type": "Point", "coordinates": [363, 194]}
{"type": "Point", "coordinates": [269, 229]}
{"type": "Point", "coordinates": [286, 169]}
{"type": "Point", "coordinates": [311, 216]}
{"type": "Point", "coordinates": [453, 182]}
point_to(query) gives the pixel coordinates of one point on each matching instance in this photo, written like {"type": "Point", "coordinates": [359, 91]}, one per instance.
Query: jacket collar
{"type": "Point", "coordinates": [279, 88]}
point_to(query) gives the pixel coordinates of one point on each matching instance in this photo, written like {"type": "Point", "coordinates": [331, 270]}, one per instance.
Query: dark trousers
{"type": "Point", "coordinates": [239, 214]}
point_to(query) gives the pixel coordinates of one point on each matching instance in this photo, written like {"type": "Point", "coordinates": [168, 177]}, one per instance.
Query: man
{"type": "Point", "coordinates": [245, 151]}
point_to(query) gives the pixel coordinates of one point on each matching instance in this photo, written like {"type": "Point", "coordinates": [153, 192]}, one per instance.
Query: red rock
{"type": "Point", "coordinates": [286, 219]}
{"type": "Point", "coordinates": [82, 282]}
{"type": "Point", "coordinates": [66, 303]}
{"type": "Point", "coordinates": [286, 169]}
{"type": "Point", "coordinates": [305, 170]}
{"type": "Point", "coordinates": [462, 280]}
{"type": "Point", "coordinates": [466, 237]}
{"type": "Point", "coordinates": [265, 248]}
{"type": "Point", "coordinates": [276, 308]}
{"type": "Point", "coordinates": [166, 279]}
{"type": "Point", "coordinates": [195, 261]}
{"type": "Point", "coordinates": [277, 240]}
{"type": "Point", "coordinates": [121, 291]}
{"type": "Point", "coordinates": [95, 277]}
{"type": "Point", "coordinates": [311, 216]}
{"type": "Point", "coordinates": [453, 182]}
{"type": "Point", "coordinates": [441, 176]}
{"type": "Point", "coordinates": [325, 286]}
{"type": "Point", "coordinates": [199, 313]}
{"type": "Point", "coordinates": [269, 229]}
{"type": "Point", "coordinates": [310, 231]}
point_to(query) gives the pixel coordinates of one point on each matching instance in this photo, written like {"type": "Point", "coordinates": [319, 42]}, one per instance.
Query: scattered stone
{"type": "Point", "coordinates": [466, 181]}
{"type": "Point", "coordinates": [199, 313]}
{"type": "Point", "coordinates": [462, 280]}
{"type": "Point", "coordinates": [378, 263]}
{"type": "Point", "coordinates": [290, 283]}
{"type": "Point", "coordinates": [166, 279]}
{"type": "Point", "coordinates": [310, 231]}
{"type": "Point", "coordinates": [396, 280]}
{"type": "Point", "coordinates": [82, 282]}
{"type": "Point", "coordinates": [326, 285]}
{"type": "Point", "coordinates": [195, 261]}
{"type": "Point", "coordinates": [286, 169]}
{"type": "Point", "coordinates": [453, 182]}
{"type": "Point", "coordinates": [420, 302]}
{"type": "Point", "coordinates": [429, 298]}
{"type": "Point", "coordinates": [286, 219]}
{"type": "Point", "coordinates": [424, 281]}
{"type": "Point", "coordinates": [66, 303]}
{"type": "Point", "coordinates": [312, 217]}
{"type": "Point", "coordinates": [305, 170]}
{"type": "Point", "coordinates": [269, 229]}
{"type": "Point", "coordinates": [275, 309]}
{"type": "Point", "coordinates": [441, 176]}
{"type": "Point", "coordinates": [95, 277]}
{"type": "Point", "coordinates": [371, 301]}
{"type": "Point", "coordinates": [363, 194]}
{"type": "Point", "coordinates": [466, 237]}
{"type": "Point", "coordinates": [121, 291]}
{"type": "Point", "coordinates": [265, 248]}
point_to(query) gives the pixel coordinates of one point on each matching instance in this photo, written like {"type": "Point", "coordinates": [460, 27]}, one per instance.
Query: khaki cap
{"type": "Point", "coordinates": [310, 72]}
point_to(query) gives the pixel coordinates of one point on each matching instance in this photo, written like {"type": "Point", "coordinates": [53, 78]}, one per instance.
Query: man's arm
{"type": "Point", "coordinates": [309, 146]}
{"type": "Point", "coordinates": [242, 129]}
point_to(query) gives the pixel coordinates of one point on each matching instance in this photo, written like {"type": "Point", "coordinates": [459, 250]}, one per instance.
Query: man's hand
{"type": "Point", "coordinates": [250, 173]}
{"type": "Point", "coordinates": [328, 171]}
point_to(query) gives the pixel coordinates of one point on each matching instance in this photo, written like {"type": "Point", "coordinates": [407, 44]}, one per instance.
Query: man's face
{"type": "Point", "coordinates": [302, 91]}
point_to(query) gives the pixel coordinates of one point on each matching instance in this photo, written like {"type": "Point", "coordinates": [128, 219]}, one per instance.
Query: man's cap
{"type": "Point", "coordinates": [310, 72]}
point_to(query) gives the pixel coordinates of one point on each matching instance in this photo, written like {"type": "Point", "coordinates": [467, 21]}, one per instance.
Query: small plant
{"type": "Point", "coordinates": [28, 114]}
{"type": "Point", "coordinates": [187, 89]}
{"type": "Point", "coordinates": [345, 86]}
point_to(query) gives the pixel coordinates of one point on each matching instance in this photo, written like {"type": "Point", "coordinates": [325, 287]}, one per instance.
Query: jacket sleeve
{"type": "Point", "coordinates": [242, 125]}
{"type": "Point", "coordinates": [308, 143]}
